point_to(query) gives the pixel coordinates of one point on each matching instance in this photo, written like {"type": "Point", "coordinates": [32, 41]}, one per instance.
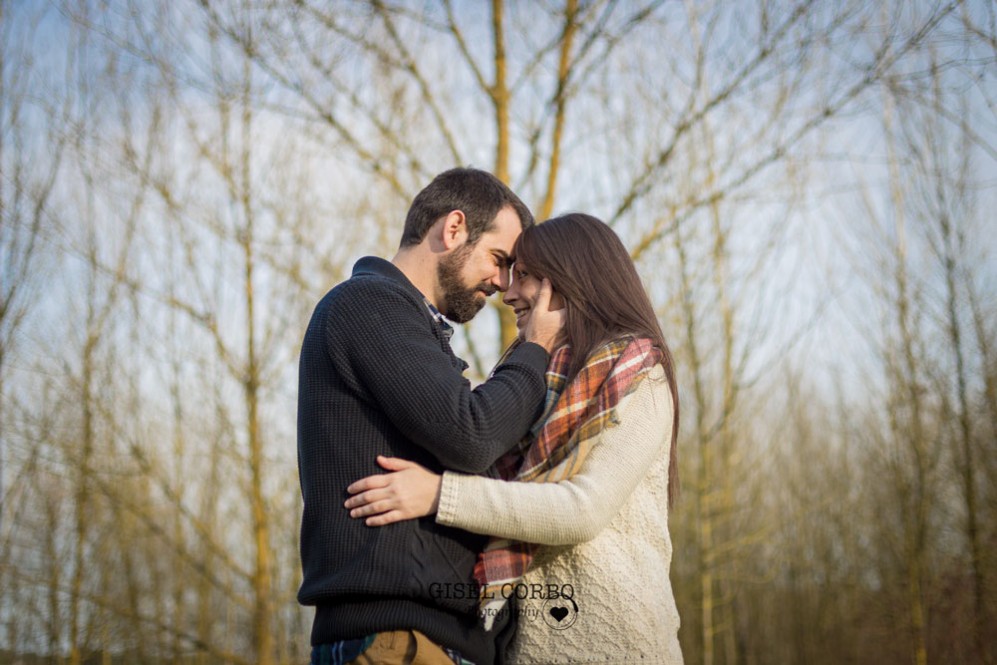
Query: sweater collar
{"type": "Point", "coordinates": [374, 265]}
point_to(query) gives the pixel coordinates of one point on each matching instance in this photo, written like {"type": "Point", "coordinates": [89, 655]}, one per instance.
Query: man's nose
{"type": "Point", "coordinates": [511, 293]}
{"type": "Point", "coordinates": [501, 280]}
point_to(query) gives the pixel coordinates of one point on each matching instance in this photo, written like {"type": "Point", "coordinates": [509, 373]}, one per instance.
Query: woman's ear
{"type": "Point", "coordinates": [556, 301]}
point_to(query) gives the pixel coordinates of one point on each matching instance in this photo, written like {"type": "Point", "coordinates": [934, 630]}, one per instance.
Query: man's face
{"type": "Point", "coordinates": [469, 274]}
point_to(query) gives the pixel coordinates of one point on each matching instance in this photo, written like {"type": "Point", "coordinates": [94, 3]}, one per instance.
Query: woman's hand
{"type": "Point", "coordinates": [408, 492]}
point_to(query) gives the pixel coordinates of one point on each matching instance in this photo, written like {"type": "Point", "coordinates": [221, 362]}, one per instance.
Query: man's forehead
{"type": "Point", "coordinates": [503, 235]}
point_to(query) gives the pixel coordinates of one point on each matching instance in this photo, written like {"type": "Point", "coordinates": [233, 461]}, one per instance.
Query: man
{"type": "Point", "coordinates": [377, 376]}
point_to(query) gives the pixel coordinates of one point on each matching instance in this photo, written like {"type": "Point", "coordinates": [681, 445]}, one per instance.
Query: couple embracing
{"type": "Point", "coordinates": [524, 520]}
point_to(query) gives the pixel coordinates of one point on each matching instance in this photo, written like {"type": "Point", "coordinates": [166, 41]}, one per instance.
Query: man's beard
{"type": "Point", "coordinates": [462, 302]}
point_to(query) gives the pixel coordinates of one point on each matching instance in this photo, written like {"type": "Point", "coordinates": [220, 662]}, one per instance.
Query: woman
{"type": "Point", "coordinates": [581, 540]}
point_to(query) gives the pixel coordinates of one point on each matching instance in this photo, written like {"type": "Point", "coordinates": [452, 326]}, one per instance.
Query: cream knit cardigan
{"type": "Point", "coordinates": [605, 533]}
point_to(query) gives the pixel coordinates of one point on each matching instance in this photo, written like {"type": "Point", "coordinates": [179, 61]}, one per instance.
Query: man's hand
{"type": "Point", "coordinates": [545, 326]}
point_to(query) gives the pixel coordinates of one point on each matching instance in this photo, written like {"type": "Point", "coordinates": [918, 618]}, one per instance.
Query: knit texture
{"type": "Point", "coordinates": [606, 531]}
{"type": "Point", "coordinates": [575, 415]}
{"type": "Point", "coordinates": [377, 376]}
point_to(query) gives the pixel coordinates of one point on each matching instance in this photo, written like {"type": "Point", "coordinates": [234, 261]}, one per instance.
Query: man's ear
{"type": "Point", "coordinates": [454, 229]}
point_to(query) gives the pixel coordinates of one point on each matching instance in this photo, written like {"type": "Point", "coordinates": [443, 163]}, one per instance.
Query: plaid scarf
{"type": "Point", "coordinates": [558, 444]}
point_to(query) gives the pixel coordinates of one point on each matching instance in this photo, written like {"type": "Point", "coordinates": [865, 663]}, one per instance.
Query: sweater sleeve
{"type": "Point", "coordinates": [573, 510]}
{"type": "Point", "coordinates": [416, 384]}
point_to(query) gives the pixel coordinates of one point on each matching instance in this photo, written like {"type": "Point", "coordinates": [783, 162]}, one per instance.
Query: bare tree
{"type": "Point", "coordinates": [941, 154]}
{"type": "Point", "coordinates": [28, 174]}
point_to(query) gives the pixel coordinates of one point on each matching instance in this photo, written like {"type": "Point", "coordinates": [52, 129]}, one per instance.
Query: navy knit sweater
{"type": "Point", "coordinates": [377, 376]}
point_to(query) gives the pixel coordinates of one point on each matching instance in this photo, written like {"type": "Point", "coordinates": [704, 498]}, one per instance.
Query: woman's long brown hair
{"type": "Point", "coordinates": [590, 268]}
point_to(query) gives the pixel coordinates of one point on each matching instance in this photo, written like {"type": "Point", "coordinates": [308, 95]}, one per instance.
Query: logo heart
{"type": "Point", "coordinates": [558, 613]}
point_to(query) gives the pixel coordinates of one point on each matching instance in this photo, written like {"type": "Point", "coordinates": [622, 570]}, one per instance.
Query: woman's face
{"type": "Point", "coordinates": [522, 295]}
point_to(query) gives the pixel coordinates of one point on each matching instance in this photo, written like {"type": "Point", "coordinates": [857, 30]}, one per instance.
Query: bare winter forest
{"type": "Point", "coordinates": [804, 185]}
